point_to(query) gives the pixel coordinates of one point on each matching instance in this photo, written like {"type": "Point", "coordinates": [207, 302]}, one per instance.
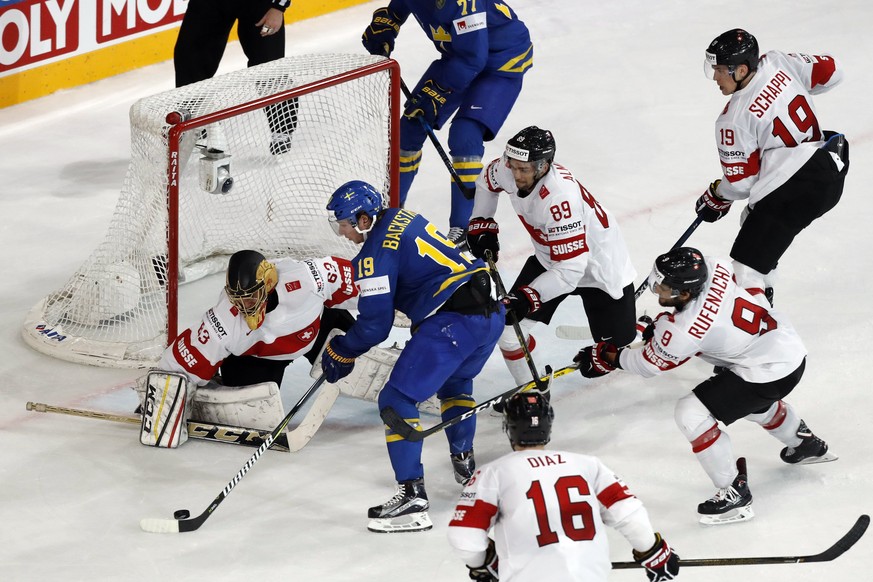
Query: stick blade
{"type": "Point", "coordinates": [844, 543]}
{"type": "Point", "coordinates": [158, 525]}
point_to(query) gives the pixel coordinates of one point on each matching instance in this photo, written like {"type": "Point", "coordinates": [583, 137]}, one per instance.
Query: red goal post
{"type": "Point", "coordinates": [245, 160]}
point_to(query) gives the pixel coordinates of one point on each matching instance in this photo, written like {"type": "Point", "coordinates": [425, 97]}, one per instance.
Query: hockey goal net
{"type": "Point", "coordinates": [245, 160]}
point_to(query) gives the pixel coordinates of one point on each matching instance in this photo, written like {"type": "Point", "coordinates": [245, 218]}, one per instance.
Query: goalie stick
{"type": "Point", "coordinates": [161, 525]}
{"type": "Point", "coordinates": [469, 193]}
{"type": "Point", "coordinates": [835, 551]}
{"type": "Point", "coordinates": [519, 335]}
{"type": "Point", "coordinates": [219, 433]}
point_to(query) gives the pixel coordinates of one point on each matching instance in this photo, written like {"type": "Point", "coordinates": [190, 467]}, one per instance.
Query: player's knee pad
{"type": "Point", "coordinates": [747, 277]}
{"type": "Point", "coordinates": [466, 138]}
{"type": "Point", "coordinates": [508, 340]}
{"type": "Point", "coordinates": [780, 420]}
{"type": "Point", "coordinates": [695, 421]}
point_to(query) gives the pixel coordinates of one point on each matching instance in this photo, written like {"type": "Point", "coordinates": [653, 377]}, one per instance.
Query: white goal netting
{"type": "Point", "coordinates": [269, 145]}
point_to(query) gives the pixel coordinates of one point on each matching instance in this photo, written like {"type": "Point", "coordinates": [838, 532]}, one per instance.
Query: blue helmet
{"type": "Point", "coordinates": [353, 198]}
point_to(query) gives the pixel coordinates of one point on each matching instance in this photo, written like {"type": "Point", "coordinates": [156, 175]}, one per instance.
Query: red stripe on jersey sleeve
{"type": "Point", "coordinates": [478, 516]}
{"type": "Point", "coordinates": [822, 71]}
{"type": "Point", "coordinates": [287, 344]}
{"type": "Point", "coordinates": [742, 170]}
{"type": "Point", "coordinates": [536, 234]}
{"type": "Point", "coordinates": [614, 493]}
{"type": "Point", "coordinates": [190, 358]}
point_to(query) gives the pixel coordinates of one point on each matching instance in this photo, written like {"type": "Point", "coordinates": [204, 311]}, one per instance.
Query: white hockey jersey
{"type": "Point", "coordinates": [548, 510]}
{"type": "Point", "coordinates": [288, 331]}
{"type": "Point", "coordinates": [576, 239]}
{"type": "Point", "coordinates": [726, 326]}
{"type": "Point", "coordinates": [769, 129]}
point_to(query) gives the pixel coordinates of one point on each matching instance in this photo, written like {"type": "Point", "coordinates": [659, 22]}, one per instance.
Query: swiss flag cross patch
{"type": "Point", "coordinates": [306, 335]}
{"type": "Point", "coordinates": [292, 286]}
{"type": "Point", "coordinates": [543, 191]}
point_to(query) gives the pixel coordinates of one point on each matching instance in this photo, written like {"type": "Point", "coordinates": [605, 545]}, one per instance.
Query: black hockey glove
{"type": "Point", "coordinates": [660, 561]}
{"type": "Point", "coordinates": [487, 572]}
{"type": "Point", "coordinates": [482, 236]}
{"type": "Point", "coordinates": [710, 206]}
{"type": "Point", "coordinates": [521, 302]}
{"type": "Point", "coordinates": [597, 360]}
{"type": "Point", "coordinates": [379, 37]}
{"type": "Point", "coordinates": [427, 102]}
{"type": "Point", "coordinates": [334, 364]}
{"type": "Point", "coordinates": [646, 327]}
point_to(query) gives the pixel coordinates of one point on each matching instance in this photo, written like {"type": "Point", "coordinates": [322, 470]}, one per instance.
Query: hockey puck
{"type": "Point", "coordinates": [181, 514]}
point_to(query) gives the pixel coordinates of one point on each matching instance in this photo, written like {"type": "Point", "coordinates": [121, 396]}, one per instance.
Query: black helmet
{"type": "Point", "coordinates": [527, 419]}
{"type": "Point", "coordinates": [732, 48]}
{"type": "Point", "coordinates": [250, 278]}
{"type": "Point", "coordinates": [531, 144]}
{"type": "Point", "coordinates": [682, 269]}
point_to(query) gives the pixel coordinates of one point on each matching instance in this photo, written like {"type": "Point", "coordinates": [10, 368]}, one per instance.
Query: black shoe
{"type": "Point", "coordinates": [464, 465]}
{"type": "Point", "coordinates": [729, 504]}
{"type": "Point", "coordinates": [811, 447]}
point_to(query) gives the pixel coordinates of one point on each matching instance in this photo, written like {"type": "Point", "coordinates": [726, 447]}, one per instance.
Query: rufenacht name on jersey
{"type": "Point", "coordinates": [721, 278]}
{"type": "Point", "coordinates": [769, 93]}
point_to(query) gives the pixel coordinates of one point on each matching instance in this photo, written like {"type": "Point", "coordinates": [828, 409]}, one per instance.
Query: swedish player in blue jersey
{"type": "Point", "coordinates": [406, 264]}
{"type": "Point", "coordinates": [484, 52]}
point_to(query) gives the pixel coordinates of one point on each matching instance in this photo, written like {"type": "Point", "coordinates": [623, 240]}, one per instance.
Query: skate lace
{"type": "Point", "coordinates": [728, 494]}
{"type": "Point", "coordinates": [455, 233]}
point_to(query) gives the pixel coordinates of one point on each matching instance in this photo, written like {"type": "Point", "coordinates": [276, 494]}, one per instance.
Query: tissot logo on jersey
{"type": "Point", "coordinates": [215, 323]}
{"type": "Point", "coordinates": [316, 275]}
{"type": "Point", "coordinates": [568, 248]}
{"type": "Point", "coordinates": [561, 228]}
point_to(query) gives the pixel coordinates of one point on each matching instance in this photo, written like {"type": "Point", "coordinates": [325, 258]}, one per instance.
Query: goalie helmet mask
{"type": "Point", "coordinates": [732, 48]}
{"type": "Point", "coordinates": [350, 201]}
{"type": "Point", "coordinates": [682, 269]}
{"type": "Point", "coordinates": [250, 279]}
{"type": "Point", "coordinates": [527, 419]}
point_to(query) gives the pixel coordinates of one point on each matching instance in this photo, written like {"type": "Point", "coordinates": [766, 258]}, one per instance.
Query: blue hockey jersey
{"type": "Point", "coordinates": [404, 264]}
{"type": "Point", "coordinates": [473, 36]}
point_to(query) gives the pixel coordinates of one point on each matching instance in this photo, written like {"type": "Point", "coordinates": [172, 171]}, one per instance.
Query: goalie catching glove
{"type": "Point", "coordinates": [710, 206]}
{"type": "Point", "coordinates": [482, 236]}
{"type": "Point", "coordinates": [660, 561]}
{"type": "Point", "coordinates": [597, 360]}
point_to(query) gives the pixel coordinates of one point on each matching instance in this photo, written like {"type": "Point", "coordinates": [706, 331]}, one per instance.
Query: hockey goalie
{"type": "Point", "coordinates": [228, 367]}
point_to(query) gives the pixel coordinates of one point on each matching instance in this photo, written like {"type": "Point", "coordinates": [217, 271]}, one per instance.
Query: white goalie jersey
{"type": "Point", "coordinates": [549, 511]}
{"type": "Point", "coordinates": [304, 289]}
{"type": "Point", "coordinates": [769, 129]}
{"type": "Point", "coordinates": [576, 239]}
{"type": "Point", "coordinates": [725, 326]}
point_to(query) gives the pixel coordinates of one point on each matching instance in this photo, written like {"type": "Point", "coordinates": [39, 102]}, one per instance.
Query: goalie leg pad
{"type": "Point", "coordinates": [253, 406]}
{"type": "Point", "coordinates": [369, 375]}
{"type": "Point", "coordinates": [165, 410]}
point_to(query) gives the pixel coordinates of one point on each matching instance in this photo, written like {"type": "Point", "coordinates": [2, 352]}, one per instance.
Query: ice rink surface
{"type": "Point", "coordinates": [621, 86]}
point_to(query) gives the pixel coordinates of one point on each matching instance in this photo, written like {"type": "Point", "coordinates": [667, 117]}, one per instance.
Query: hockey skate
{"type": "Point", "coordinates": [729, 504]}
{"type": "Point", "coordinates": [405, 512]}
{"type": "Point", "coordinates": [810, 450]}
{"type": "Point", "coordinates": [464, 465]}
{"type": "Point", "coordinates": [458, 236]}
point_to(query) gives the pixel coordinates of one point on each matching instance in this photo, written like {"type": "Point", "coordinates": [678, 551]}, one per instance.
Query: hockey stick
{"type": "Point", "coordinates": [399, 425]}
{"type": "Point", "coordinates": [676, 245]}
{"type": "Point", "coordinates": [303, 433]}
{"type": "Point", "coordinates": [513, 318]}
{"type": "Point", "coordinates": [219, 433]}
{"type": "Point", "coordinates": [161, 525]}
{"type": "Point", "coordinates": [832, 553]}
{"type": "Point", "coordinates": [581, 332]}
{"type": "Point", "coordinates": [469, 193]}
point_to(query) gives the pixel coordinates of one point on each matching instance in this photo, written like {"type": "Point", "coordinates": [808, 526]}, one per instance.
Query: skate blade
{"type": "Point", "coordinates": [405, 523]}
{"type": "Point", "coordinates": [825, 458]}
{"type": "Point", "coordinates": [732, 516]}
